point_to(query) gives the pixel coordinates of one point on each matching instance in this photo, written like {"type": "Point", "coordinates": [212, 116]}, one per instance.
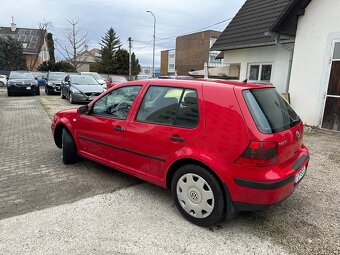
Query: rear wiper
{"type": "Point", "coordinates": [292, 121]}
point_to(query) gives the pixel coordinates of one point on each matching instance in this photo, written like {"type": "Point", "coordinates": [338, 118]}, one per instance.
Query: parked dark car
{"type": "Point", "coordinates": [53, 82]}
{"type": "Point", "coordinates": [80, 88]}
{"type": "Point", "coordinates": [22, 82]}
{"type": "Point", "coordinates": [220, 146]}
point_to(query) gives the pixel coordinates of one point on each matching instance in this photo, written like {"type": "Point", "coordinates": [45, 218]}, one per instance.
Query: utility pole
{"type": "Point", "coordinates": [154, 39]}
{"type": "Point", "coordinates": [130, 58]}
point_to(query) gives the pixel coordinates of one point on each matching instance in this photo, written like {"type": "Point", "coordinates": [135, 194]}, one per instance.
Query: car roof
{"type": "Point", "coordinates": [205, 82]}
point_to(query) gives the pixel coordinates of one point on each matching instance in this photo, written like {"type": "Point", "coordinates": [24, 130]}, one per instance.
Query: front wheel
{"type": "Point", "coordinates": [70, 155]}
{"type": "Point", "coordinates": [198, 195]}
{"type": "Point", "coordinates": [71, 98]}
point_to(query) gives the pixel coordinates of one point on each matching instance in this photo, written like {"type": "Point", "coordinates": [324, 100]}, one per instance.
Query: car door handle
{"type": "Point", "coordinates": [118, 128]}
{"type": "Point", "coordinates": [176, 138]}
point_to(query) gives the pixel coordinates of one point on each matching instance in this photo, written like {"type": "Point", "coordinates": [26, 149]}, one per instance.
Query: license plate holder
{"type": "Point", "coordinates": [300, 174]}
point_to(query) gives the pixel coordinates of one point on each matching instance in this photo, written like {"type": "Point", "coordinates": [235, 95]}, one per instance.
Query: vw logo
{"type": "Point", "coordinates": [297, 134]}
{"type": "Point", "coordinates": [193, 195]}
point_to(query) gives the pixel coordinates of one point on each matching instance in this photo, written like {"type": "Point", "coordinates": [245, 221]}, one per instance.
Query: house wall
{"type": "Point", "coordinates": [317, 28]}
{"type": "Point", "coordinates": [192, 51]}
{"type": "Point", "coordinates": [276, 55]}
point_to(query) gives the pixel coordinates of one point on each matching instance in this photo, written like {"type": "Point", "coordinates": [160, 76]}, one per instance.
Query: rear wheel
{"type": "Point", "coordinates": [198, 195]}
{"type": "Point", "coordinates": [69, 148]}
{"type": "Point", "coordinates": [2, 84]}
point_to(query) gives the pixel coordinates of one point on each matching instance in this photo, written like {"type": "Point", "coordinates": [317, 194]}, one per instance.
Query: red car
{"type": "Point", "coordinates": [220, 146]}
{"type": "Point", "coordinates": [113, 80]}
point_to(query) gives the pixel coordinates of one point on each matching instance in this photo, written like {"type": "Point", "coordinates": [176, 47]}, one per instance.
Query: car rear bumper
{"type": "Point", "coordinates": [270, 187]}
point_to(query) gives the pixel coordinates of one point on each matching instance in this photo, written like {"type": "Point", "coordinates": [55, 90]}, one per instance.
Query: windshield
{"type": "Point", "coordinates": [57, 76]}
{"type": "Point", "coordinates": [270, 111]}
{"type": "Point", "coordinates": [119, 79]}
{"type": "Point", "coordinates": [21, 75]}
{"type": "Point", "coordinates": [83, 80]}
{"type": "Point", "coordinates": [94, 75]}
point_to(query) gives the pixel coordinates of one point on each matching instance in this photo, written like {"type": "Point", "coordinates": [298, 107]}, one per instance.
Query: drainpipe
{"type": "Point", "coordinates": [291, 51]}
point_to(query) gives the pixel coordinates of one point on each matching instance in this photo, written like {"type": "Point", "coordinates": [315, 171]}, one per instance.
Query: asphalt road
{"type": "Point", "coordinates": [49, 208]}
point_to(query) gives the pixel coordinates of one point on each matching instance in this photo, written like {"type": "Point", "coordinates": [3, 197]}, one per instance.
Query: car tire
{"type": "Point", "coordinates": [198, 195]}
{"type": "Point", "coordinates": [69, 148]}
{"type": "Point", "coordinates": [46, 91]}
{"type": "Point", "coordinates": [37, 93]}
{"type": "Point", "coordinates": [2, 84]}
{"type": "Point", "coordinates": [62, 95]}
{"type": "Point", "coordinates": [70, 98]}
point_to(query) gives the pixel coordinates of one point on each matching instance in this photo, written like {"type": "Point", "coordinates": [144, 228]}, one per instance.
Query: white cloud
{"type": "Point", "coordinates": [128, 18]}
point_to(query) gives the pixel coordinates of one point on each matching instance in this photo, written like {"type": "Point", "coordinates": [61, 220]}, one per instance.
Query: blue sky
{"type": "Point", "coordinates": [128, 18]}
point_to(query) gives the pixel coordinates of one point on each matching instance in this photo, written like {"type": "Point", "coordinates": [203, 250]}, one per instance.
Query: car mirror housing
{"type": "Point", "coordinates": [84, 109]}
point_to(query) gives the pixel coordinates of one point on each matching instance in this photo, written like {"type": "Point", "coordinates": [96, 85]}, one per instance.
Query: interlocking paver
{"type": "Point", "coordinates": [32, 175]}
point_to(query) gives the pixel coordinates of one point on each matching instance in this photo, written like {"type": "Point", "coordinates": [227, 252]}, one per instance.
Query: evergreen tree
{"type": "Point", "coordinates": [135, 66]}
{"type": "Point", "coordinates": [11, 55]}
{"type": "Point", "coordinates": [122, 62]}
{"type": "Point", "coordinates": [109, 45]}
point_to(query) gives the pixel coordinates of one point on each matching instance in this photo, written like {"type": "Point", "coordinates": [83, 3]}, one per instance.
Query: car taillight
{"type": "Point", "coordinates": [259, 154]}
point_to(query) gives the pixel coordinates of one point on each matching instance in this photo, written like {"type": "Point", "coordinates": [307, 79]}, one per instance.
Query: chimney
{"type": "Point", "coordinates": [13, 25]}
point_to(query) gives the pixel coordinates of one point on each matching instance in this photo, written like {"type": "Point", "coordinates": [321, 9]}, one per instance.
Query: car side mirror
{"type": "Point", "coordinates": [7, 78]}
{"type": "Point", "coordinates": [84, 109]}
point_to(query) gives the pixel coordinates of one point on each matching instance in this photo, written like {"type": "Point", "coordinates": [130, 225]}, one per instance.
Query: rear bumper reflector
{"type": "Point", "coordinates": [263, 185]}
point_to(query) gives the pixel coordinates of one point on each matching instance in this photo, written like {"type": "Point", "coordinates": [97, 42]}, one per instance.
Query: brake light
{"type": "Point", "coordinates": [259, 154]}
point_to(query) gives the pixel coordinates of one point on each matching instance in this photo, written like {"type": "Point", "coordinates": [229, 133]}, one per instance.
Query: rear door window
{"type": "Point", "coordinates": [271, 113]}
{"type": "Point", "coordinates": [169, 106]}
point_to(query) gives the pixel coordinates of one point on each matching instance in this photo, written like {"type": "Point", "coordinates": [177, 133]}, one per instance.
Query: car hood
{"type": "Point", "coordinates": [89, 88]}
{"type": "Point", "coordinates": [33, 81]}
{"type": "Point", "coordinates": [55, 81]}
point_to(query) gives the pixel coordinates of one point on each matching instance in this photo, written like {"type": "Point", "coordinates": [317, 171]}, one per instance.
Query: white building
{"type": "Point", "coordinates": [294, 45]}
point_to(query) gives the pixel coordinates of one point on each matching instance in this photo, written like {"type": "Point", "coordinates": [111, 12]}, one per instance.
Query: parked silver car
{"type": "Point", "coordinates": [80, 88]}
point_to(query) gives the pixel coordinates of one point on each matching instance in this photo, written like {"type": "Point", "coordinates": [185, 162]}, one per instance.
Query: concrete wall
{"type": "Point", "coordinates": [277, 56]}
{"type": "Point", "coordinates": [316, 30]}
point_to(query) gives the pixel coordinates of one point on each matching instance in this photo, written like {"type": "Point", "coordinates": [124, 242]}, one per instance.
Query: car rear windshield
{"type": "Point", "coordinates": [269, 110]}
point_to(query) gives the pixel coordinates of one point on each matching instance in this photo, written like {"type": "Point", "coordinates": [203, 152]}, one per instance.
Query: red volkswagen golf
{"type": "Point", "coordinates": [220, 146]}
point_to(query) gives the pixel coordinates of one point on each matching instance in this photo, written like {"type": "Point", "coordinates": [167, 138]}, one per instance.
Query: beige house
{"type": "Point", "coordinates": [33, 43]}
{"type": "Point", "coordinates": [86, 58]}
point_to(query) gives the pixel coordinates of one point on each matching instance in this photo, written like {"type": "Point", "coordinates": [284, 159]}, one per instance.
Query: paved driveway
{"type": "Point", "coordinates": [32, 175]}
{"type": "Point", "coordinates": [90, 209]}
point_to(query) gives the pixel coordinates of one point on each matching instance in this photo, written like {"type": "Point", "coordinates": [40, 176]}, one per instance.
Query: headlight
{"type": "Point", "coordinates": [75, 91]}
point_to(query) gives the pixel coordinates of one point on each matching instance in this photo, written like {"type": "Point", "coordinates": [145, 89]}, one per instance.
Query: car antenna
{"type": "Point", "coordinates": [246, 80]}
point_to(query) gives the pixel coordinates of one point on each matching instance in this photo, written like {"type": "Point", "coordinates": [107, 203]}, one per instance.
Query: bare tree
{"type": "Point", "coordinates": [42, 31]}
{"type": "Point", "coordinates": [75, 44]}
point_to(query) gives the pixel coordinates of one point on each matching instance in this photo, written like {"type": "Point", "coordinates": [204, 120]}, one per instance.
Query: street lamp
{"type": "Point", "coordinates": [154, 39]}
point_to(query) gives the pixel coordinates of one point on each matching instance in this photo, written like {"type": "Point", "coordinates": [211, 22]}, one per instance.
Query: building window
{"type": "Point", "coordinates": [260, 72]}
{"type": "Point", "coordinates": [171, 66]}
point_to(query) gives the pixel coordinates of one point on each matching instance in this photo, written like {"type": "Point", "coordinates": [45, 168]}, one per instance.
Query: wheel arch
{"type": "Point", "coordinates": [186, 161]}
{"type": "Point", "coordinates": [58, 134]}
